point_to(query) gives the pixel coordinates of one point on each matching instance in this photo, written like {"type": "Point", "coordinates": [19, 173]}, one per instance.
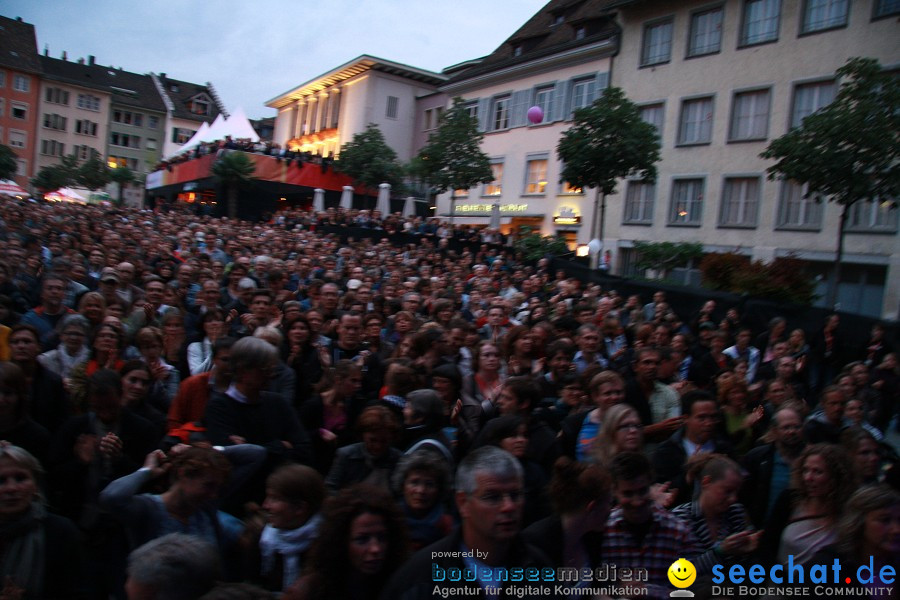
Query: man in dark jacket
{"type": "Point", "coordinates": [489, 495]}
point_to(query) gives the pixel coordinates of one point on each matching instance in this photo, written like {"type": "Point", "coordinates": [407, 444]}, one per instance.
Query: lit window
{"type": "Point", "coordinates": [761, 20]}
{"type": "Point", "coordinates": [495, 187]}
{"type": "Point", "coordinates": [873, 216]}
{"type": "Point", "coordinates": [687, 202]}
{"type": "Point", "coordinates": [536, 181]}
{"type": "Point", "coordinates": [657, 47]}
{"type": "Point", "coordinates": [750, 116]}
{"type": "Point", "coordinates": [696, 121]}
{"type": "Point", "coordinates": [706, 32]}
{"type": "Point", "coordinates": [740, 202]}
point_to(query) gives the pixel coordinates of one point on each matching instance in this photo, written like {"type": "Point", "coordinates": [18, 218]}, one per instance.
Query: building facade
{"type": "Point", "coordinates": [20, 82]}
{"type": "Point", "coordinates": [188, 106]}
{"type": "Point", "coordinates": [323, 114]}
{"type": "Point", "coordinates": [558, 61]}
{"type": "Point", "coordinates": [721, 80]}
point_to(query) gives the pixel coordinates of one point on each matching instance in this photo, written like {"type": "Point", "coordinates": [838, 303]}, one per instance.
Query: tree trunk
{"type": "Point", "coordinates": [232, 201]}
{"type": "Point", "coordinates": [838, 256]}
{"type": "Point", "coordinates": [452, 206]}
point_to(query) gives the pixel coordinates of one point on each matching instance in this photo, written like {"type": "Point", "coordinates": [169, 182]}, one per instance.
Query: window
{"type": "Point", "coordinates": [761, 19]}
{"type": "Point", "coordinates": [393, 105]}
{"type": "Point", "coordinates": [85, 127]}
{"type": "Point", "coordinates": [126, 140]}
{"type": "Point", "coordinates": [53, 121]}
{"type": "Point", "coordinates": [706, 32]}
{"type": "Point", "coordinates": [687, 202]}
{"type": "Point", "coordinates": [543, 97]}
{"type": "Point", "coordinates": [740, 202]}
{"type": "Point", "coordinates": [22, 167]}
{"type": "Point", "coordinates": [584, 92]}
{"type": "Point", "coordinates": [580, 32]}
{"type": "Point", "coordinates": [182, 136]}
{"type": "Point", "coordinates": [461, 193]}
{"type": "Point", "coordinates": [199, 107]}
{"type": "Point", "coordinates": [2, 105]}
{"type": "Point", "coordinates": [518, 49]}
{"type": "Point", "coordinates": [695, 126]}
{"type": "Point", "coordinates": [654, 114]}
{"type": "Point", "coordinates": [500, 113]}
{"type": "Point", "coordinates": [152, 122]}
{"type": "Point", "coordinates": [810, 97]}
{"type": "Point", "coordinates": [495, 187]}
{"type": "Point", "coordinates": [750, 116]}
{"type": "Point", "coordinates": [639, 200]}
{"type": "Point", "coordinates": [798, 210]}
{"type": "Point", "coordinates": [17, 110]}
{"type": "Point", "coordinates": [824, 14]}
{"type": "Point", "coordinates": [114, 162]}
{"type": "Point", "coordinates": [883, 8]}
{"type": "Point", "coordinates": [536, 176]}
{"type": "Point", "coordinates": [85, 152]}
{"type": "Point", "coordinates": [56, 96]}
{"type": "Point", "coordinates": [2, 78]}
{"type": "Point", "coordinates": [568, 188]}
{"type": "Point", "coordinates": [128, 118]}
{"type": "Point", "coordinates": [21, 83]}
{"type": "Point", "coordinates": [17, 139]}
{"type": "Point", "coordinates": [558, 19]}
{"type": "Point", "coordinates": [88, 102]}
{"type": "Point", "coordinates": [53, 148]}
{"type": "Point", "coordinates": [657, 47]}
{"type": "Point", "coordinates": [873, 216]}
{"type": "Point", "coordinates": [427, 122]}
{"type": "Point", "coordinates": [472, 108]}
{"type": "Point", "coordinates": [151, 144]}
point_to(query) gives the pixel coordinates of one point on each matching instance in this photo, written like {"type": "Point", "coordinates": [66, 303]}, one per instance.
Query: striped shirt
{"type": "Point", "coordinates": [734, 520]}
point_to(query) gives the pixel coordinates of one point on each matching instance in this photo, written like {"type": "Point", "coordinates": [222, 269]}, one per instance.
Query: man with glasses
{"type": "Point", "coordinates": [490, 499]}
{"type": "Point", "coordinates": [697, 435]}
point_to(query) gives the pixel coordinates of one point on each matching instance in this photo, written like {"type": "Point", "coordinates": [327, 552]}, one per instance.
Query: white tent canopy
{"type": "Point", "coordinates": [237, 126]}
{"type": "Point", "coordinates": [192, 143]}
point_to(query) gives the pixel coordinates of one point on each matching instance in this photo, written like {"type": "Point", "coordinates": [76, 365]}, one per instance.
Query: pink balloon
{"type": "Point", "coordinates": [535, 114]}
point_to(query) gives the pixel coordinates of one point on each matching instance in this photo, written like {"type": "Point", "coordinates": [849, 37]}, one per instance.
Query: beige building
{"type": "Point", "coordinates": [723, 79]}
{"type": "Point", "coordinates": [321, 115]}
{"type": "Point", "coordinates": [558, 61]}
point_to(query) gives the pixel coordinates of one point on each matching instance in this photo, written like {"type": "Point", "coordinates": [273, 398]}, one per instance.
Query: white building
{"type": "Point", "coordinates": [721, 80]}
{"type": "Point", "coordinates": [323, 114]}
{"type": "Point", "coordinates": [559, 60]}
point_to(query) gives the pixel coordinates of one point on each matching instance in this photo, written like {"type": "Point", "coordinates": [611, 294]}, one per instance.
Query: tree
{"type": "Point", "coordinates": [607, 141]}
{"type": "Point", "coordinates": [93, 173]}
{"type": "Point", "coordinates": [662, 257]}
{"type": "Point", "coordinates": [233, 168]}
{"type": "Point", "coordinates": [122, 176]}
{"type": "Point", "coordinates": [369, 161]}
{"type": "Point", "coordinates": [8, 163]}
{"type": "Point", "coordinates": [849, 151]}
{"type": "Point", "coordinates": [534, 246]}
{"type": "Point", "coordinates": [452, 159]}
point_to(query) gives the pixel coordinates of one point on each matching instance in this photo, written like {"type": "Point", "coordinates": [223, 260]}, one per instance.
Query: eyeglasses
{"type": "Point", "coordinates": [496, 498]}
{"type": "Point", "coordinates": [629, 427]}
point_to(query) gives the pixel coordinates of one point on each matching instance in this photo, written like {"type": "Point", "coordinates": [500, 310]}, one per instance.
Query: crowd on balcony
{"type": "Point", "coordinates": [198, 407]}
{"type": "Point", "coordinates": [246, 145]}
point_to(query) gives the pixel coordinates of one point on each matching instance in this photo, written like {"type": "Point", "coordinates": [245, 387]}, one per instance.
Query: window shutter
{"type": "Point", "coordinates": [560, 106]}
{"type": "Point", "coordinates": [484, 107]}
{"type": "Point", "coordinates": [519, 108]}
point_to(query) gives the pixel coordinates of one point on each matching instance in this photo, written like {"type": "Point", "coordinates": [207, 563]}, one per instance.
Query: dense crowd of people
{"type": "Point", "coordinates": [201, 407]}
{"type": "Point", "coordinates": [274, 150]}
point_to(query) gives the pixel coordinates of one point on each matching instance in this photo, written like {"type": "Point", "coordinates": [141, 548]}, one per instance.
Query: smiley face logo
{"type": "Point", "coordinates": [682, 573]}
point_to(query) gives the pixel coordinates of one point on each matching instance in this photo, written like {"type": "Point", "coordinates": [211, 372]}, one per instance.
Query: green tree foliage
{"type": "Point", "coordinates": [52, 177]}
{"type": "Point", "coordinates": [8, 164]}
{"type": "Point", "coordinates": [122, 176]}
{"type": "Point", "coordinates": [849, 151]}
{"type": "Point", "coordinates": [535, 246]}
{"type": "Point", "coordinates": [233, 169]}
{"type": "Point", "coordinates": [369, 161]}
{"type": "Point", "coordinates": [607, 141]}
{"type": "Point", "coordinates": [662, 257]}
{"type": "Point", "coordinates": [785, 279]}
{"type": "Point", "coordinates": [452, 159]}
{"type": "Point", "coordinates": [93, 174]}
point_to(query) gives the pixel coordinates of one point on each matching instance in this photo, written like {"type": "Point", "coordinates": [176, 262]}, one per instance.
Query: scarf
{"type": "Point", "coordinates": [290, 544]}
{"type": "Point", "coordinates": [426, 529]}
{"type": "Point", "coordinates": [25, 550]}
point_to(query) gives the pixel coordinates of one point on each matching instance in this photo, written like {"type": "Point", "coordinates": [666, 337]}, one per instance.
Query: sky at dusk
{"type": "Point", "coordinates": [253, 51]}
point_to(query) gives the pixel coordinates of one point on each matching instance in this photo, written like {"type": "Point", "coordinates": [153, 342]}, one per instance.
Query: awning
{"type": "Point", "coordinates": [11, 188]}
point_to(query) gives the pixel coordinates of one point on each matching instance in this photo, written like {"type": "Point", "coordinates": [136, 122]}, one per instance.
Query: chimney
{"type": "Point", "coordinates": [19, 19]}
{"type": "Point", "coordinates": [46, 50]}
{"type": "Point", "coordinates": [162, 75]}
{"type": "Point", "coordinates": [81, 61]}
{"type": "Point", "coordinates": [91, 60]}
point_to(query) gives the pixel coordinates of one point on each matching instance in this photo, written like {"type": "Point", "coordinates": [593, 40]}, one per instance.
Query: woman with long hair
{"type": "Point", "coordinates": [107, 347]}
{"type": "Point", "coordinates": [92, 307]}
{"type": "Point", "coordinates": [422, 485]}
{"type": "Point", "coordinates": [518, 349]}
{"type": "Point", "coordinates": [740, 423]}
{"type": "Point", "coordinates": [329, 414]}
{"type": "Point", "coordinates": [200, 353]}
{"type": "Point", "coordinates": [581, 496]}
{"type": "Point", "coordinates": [804, 517]}
{"type": "Point", "coordinates": [362, 540]}
{"type": "Point", "coordinates": [719, 522]}
{"type": "Point", "coordinates": [480, 392]}
{"type": "Point", "coordinates": [621, 431]}
{"type": "Point", "coordinates": [305, 355]}
{"type": "Point", "coordinates": [175, 339]}
{"type": "Point", "coordinates": [164, 378]}
{"type": "Point", "coordinates": [40, 553]}
{"type": "Point", "coordinates": [137, 397]}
